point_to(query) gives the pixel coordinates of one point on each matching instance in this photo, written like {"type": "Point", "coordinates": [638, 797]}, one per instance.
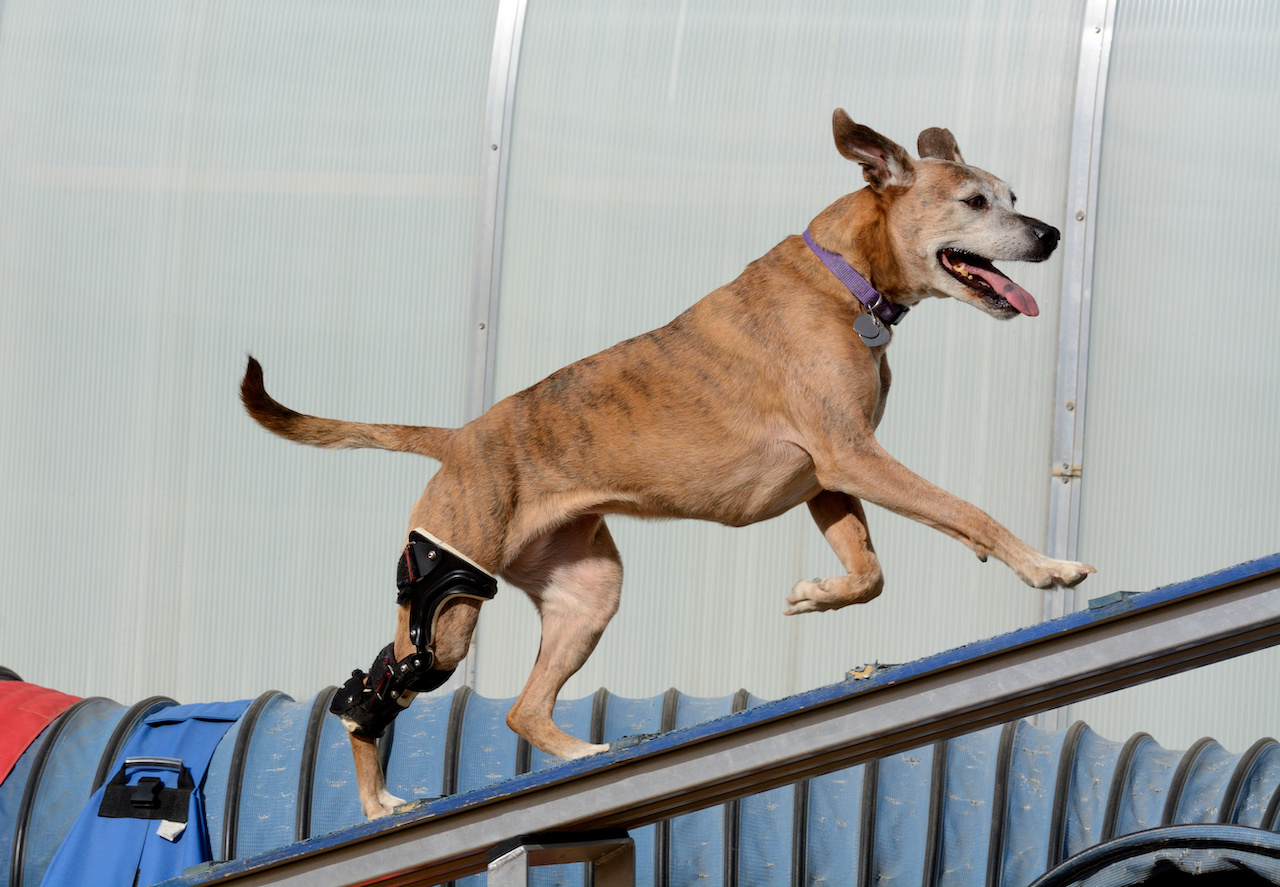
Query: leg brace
{"type": "Point", "coordinates": [429, 574]}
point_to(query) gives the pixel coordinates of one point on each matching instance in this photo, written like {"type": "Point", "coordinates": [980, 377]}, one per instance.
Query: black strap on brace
{"type": "Point", "coordinates": [427, 575]}
{"type": "Point", "coordinates": [367, 703]}
{"type": "Point", "coordinates": [149, 798]}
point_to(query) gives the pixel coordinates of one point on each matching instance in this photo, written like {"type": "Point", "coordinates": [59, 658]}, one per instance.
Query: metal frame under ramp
{"type": "Point", "coordinates": [1119, 641]}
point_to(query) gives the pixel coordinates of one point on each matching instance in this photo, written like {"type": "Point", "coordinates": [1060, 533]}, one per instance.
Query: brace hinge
{"type": "Point", "coordinates": [1065, 471]}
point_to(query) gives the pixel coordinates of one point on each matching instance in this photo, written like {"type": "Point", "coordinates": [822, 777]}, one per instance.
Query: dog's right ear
{"type": "Point", "coordinates": [939, 144]}
{"type": "Point", "coordinates": [883, 161]}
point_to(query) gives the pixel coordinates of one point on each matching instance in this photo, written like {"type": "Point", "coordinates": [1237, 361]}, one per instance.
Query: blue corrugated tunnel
{"type": "Point", "coordinates": [1002, 806]}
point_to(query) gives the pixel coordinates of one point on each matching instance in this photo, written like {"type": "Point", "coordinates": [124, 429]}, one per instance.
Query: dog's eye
{"type": "Point", "coordinates": [977, 201]}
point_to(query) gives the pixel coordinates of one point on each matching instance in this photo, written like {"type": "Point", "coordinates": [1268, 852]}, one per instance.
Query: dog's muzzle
{"type": "Point", "coordinates": [428, 576]}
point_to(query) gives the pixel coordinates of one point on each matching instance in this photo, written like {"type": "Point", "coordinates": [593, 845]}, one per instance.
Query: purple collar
{"type": "Point", "coordinates": [865, 293]}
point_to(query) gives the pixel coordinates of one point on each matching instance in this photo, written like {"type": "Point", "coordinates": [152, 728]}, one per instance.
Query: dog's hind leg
{"type": "Point", "coordinates": [447, 642]}
{"type": "Point", "coordinates": [574, 577]}
{"type": "Point", "coordinates": [844, 524]}
{"type": "Point", "coordinates": [453, 629]}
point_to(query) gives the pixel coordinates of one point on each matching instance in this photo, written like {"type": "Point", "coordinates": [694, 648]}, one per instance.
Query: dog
{"type": "Point", "coordinates": [764, 395]}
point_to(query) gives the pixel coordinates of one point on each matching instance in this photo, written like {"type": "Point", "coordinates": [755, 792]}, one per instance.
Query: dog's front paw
{"type": "Point", "coordinates": [802, 597]}
{"type": "Point", "coordinates": [1049, 573]}
{"type": "Point", "coordinates": [831, 594]}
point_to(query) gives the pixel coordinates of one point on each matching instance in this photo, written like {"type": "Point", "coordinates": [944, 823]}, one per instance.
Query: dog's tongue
{"type": "Point", "coordinates": [1017, 296]}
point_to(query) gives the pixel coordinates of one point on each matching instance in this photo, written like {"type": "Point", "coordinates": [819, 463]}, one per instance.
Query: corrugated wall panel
{"type": "Point", "coordinates": [658, 148]}
{"type": "Point", "coordinates": [1182, 470]}
{"type": "Point", "coordinates": [182, 184]}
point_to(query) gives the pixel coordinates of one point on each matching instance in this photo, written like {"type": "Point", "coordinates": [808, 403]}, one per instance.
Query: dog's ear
{"type": "Point", "coordinates": [883, 161]}
{"type": "Point", "coordinates": [938, 144]}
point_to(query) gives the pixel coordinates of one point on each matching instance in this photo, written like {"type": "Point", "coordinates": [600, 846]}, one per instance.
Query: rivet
{"type": "Point", "coordinates": [1071, 405]}
{"type": "Point", "coordinates": [1080, 216]}
{"type": "Point", "coordinates": [431, 555]}
{"type": "Point", "coordinates": [482, 326]}
{"type": "Point", "coordinates": [493, 147]}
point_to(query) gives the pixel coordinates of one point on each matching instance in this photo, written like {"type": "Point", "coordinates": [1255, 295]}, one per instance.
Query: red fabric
{"type": "Point", "coordinates": [25, 710]}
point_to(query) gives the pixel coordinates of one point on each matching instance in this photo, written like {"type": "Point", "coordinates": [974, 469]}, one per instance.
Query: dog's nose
{"type": "Point", "coordinates": [1047, 235]}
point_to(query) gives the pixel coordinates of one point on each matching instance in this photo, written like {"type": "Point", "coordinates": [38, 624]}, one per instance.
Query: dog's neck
{"type": "Point", "coordinates": [862, 290]}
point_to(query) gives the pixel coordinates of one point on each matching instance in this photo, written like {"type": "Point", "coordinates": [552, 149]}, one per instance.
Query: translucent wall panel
{"type": "Point", "coordinates": [1182, 469]}
{"type": "Point", "coordinates": [658, 148]}
{"type": "Point", "coordinates": [183, 183]}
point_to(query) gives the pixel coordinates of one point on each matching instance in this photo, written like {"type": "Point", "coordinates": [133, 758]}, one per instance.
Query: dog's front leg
{"type": "Point", "coordinates": [844, 524]}
{"type": "Point", "coordinates": [872, 474]}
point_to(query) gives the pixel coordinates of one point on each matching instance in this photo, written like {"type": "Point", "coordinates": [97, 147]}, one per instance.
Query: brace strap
{"type": "Point", "coordinates": [367, 703]}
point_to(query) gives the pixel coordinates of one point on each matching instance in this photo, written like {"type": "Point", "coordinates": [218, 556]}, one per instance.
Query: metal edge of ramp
{"type": "Point", "coordinates": [1133, 640]}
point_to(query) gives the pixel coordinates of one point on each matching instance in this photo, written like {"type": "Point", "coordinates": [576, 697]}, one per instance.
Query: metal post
{"type": "Point", "coordinates": [486, 276]}
{"type": "Point", "coordinates": [1077, 292]}
{"type": "Point", "coordinates": [612, 855]}
{"type": "Point", "coordinates": [487, 269]}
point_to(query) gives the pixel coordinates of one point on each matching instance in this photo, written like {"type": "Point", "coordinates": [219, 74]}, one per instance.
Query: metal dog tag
{"type": "Point", "coordinates": [873, 332]}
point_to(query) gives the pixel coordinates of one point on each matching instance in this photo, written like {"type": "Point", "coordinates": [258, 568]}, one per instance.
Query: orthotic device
{"type": "Point", "coordinates": [429, 574]}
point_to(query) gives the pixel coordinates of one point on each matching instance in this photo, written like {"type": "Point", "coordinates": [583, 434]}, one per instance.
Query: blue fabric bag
{"type": "Point", "coordinates": [147, 823]}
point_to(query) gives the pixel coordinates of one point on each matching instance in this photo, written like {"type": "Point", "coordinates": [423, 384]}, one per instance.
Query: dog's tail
{"type": "Point", "coordinates": [335, 433]}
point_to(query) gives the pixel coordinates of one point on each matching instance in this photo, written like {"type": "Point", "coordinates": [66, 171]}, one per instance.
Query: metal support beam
{"type": "Point", "coordinates": [487, 270]}
{"type": "Point", "coordinates": [486, 275]}
{"type": "Point", "coordinates": [612, 855]}
{"type": "Point", "coordinates": [1077, 289]}
{"type": "Point", "coordinates": [1077, 294]}
{"type": "Point", "coordinates": [1115, 644]}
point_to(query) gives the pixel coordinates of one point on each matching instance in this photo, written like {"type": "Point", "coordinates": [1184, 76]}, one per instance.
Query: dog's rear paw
{"type": "Point", "coordinates": [415, 804]}
{"type": "Point", "coordinates": [582, 750]}
{"type": "Point", "coordinates": [383, 804]}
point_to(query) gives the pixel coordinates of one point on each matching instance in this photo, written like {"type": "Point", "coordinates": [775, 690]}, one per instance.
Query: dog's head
{"type": "Point", "coordinates": [945, 222]}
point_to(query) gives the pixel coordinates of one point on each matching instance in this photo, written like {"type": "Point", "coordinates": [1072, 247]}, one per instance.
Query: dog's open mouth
{"type": "Point", "coordinates": [982, 277]}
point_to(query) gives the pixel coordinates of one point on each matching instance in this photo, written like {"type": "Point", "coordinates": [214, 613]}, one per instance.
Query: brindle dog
{"type": "Point", "coordinates": [760, 397]}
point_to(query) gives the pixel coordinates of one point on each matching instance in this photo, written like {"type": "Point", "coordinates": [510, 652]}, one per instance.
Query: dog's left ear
{"type": "Point", "coordinates": [938, 144]}
{"type": "Point", "coordinates": [883, 161]}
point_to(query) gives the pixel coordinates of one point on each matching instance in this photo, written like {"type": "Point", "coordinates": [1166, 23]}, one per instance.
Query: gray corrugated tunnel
{"type": "Point", "coordinates": [1001, 806]}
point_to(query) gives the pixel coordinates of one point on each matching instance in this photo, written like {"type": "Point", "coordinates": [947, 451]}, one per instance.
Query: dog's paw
{"type": "Point", "coordinates": [583, 750]}
{"type": "Point", "coordinates": [382, 804]}
{"type": "Point", "coordinates": [1063, 574]}
{"type": "Point", "coordinates": [415, 804]}
{"type": "Point", "coordinates": [802, 597]}
{"type": "Point", "coordinates": [812, 596]}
